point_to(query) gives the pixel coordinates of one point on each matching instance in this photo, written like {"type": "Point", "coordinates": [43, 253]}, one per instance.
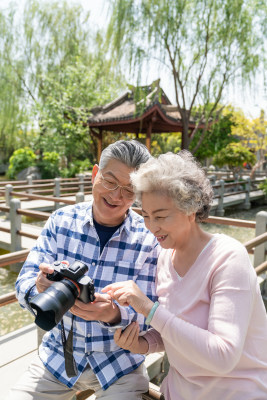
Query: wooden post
{"type": "Point", "coordinates": [15, 226]}
{"type": "Point", "coordinates": [57, 191]}
{"type": "Point", "coordinates": [212, 179]}
{"type": "Point", "coordinates": [81, 182]}
{"type": "Point", "coordinates": [8, 190]}
{"type": "Point", "coordinates": [261, 226]}
{"type": "Point", "coordinates": [29, 182]}
{"type": "Point", "coordinates": [79, 197]}
{"type": "Point", "coordinates": [247, 204]}
{"type": "Point", "coordinates": [220, 209]}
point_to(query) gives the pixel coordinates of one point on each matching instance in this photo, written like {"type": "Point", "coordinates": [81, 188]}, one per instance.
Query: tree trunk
{"type": "Point", "coordinates": [185, 135]}
{"type": "Point", "coordinates": [255, 167]}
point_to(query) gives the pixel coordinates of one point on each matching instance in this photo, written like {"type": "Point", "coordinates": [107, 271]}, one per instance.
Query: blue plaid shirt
{"type": "Point", "coordinates": [131, 253]}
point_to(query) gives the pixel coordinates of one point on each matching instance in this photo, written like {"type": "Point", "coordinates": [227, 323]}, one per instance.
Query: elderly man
{"type": "Point", "coordinates": [111, 239]}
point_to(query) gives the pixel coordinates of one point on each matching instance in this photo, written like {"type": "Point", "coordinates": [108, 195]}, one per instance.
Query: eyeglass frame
{"type": "Point", "coordinates": [122, 188]}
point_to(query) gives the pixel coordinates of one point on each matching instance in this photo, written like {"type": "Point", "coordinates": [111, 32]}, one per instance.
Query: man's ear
{"type": "Point", "coordinates": [94, 172]}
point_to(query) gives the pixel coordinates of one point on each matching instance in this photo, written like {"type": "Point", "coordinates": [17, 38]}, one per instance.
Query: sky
{"type": "Point", "coordinates": [250, 101]}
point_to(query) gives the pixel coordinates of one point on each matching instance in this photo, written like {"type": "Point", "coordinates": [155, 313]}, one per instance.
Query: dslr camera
{"type": "Point", "coordinates": [70, 283]}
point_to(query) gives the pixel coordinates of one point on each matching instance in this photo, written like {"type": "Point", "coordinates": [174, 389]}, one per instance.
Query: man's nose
{"type": "Point", "coordinates": [117, 193]}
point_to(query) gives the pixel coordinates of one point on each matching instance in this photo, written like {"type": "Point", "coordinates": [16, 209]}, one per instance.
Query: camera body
{"type": "Point", "coordinates": [76, 274]}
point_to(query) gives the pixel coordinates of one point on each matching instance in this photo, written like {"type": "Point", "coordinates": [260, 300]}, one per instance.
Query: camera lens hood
{"type": "Point", "coordinates": [53, 303]}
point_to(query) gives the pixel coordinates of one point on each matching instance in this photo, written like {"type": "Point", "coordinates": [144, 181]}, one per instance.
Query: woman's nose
{"type": "Point", "coordinates": [151, 225]}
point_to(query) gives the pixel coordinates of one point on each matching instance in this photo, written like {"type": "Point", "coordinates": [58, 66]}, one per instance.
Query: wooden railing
{"type": "Point", "coordinates": [251, 245]}
{"type": "Point", "coordinates": [56, 188]}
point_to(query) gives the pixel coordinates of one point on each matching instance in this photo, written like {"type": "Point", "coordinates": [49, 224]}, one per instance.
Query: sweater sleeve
{"type": "Point", "coordinates": [154, 340]}
{"type": "Point", "coordinates": [219, 347]}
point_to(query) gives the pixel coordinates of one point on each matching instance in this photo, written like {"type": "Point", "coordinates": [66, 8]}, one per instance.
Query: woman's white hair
{"type": "Point", "coordinates": [179, 177]}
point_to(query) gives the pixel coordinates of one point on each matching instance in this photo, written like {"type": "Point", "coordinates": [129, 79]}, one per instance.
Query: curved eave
{"type": "Point", "coordinates": [161, 122]}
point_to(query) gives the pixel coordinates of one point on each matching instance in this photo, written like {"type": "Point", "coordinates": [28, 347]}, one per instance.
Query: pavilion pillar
{"type": "Point", "coordinates": [148, 136]}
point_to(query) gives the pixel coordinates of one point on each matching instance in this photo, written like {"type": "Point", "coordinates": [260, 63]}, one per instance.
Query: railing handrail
{"type": "Point", "coordinates": [20, 256]}
{"type": "Point", "coordinates": [14, 182]}
{"type": "Point", "coordinates": [37, 197]}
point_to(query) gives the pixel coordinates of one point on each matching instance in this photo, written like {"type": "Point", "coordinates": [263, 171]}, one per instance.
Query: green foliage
{"type": "Point", "coordinates": [202, 45]}
{"type": "Point", "coordinates": [49, 165]}
{"type": "Point", "coordinates": [263, 186]}
{"type": "Point", "coordinates": [50, 60]}
{"type": "Point", "coordinates": [234, 155]}
{"type": "Point", "coordinates": [21, 158]}
{"type": "Point", "coordinates": [216, 138]}
{"type": "Point", "coordinates": [76, 167]}
{"type": "Point", "coordinates": [162, 143]}
{"type": "Point", "coordinates": [62, 113]}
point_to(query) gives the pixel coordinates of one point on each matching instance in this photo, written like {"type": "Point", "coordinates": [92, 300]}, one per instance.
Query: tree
{"type": "Point", "coordinates": [51, 59]}
{"type": "Point", "coordinates": [234, 155]}
{"type": "Point", "coordinates": [203, 44]}
{"type": "Point", "coordinates": [217, 137]}
{"type": "Point", "coordinates": [64, 109]}
{"type": "Point", "coordinates": [259, 141]}
{"type": "Point", "coordinates": [13, 113]}
{"type": "Point", "coordinates": [252, 134]}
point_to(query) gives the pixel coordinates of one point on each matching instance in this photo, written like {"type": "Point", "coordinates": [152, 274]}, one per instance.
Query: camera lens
{"type": "Point", "coordinates": [53, 303]}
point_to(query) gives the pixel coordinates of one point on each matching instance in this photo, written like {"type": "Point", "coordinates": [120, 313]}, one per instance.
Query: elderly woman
{"type": "Point", "coordinates": [210, 317]}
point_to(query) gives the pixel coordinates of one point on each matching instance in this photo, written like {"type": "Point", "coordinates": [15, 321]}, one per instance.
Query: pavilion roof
{"type": "Point", "coordinates": [135, 109]}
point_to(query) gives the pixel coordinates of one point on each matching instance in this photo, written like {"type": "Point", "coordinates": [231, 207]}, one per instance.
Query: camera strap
{"type": "Point", "coordinates": [70, 364]}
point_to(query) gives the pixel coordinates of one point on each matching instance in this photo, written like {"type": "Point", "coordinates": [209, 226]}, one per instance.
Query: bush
{"type": "Point", "coordinates": [76, 167]}
{"type": "Point", "coordinates": [234, 155]}
{"type": "Point", "coordinates": [49, 165]}
{"type": "Point", "coordinates": [263, 186]}
{"type": "Point", "coordinates": [20, 159]}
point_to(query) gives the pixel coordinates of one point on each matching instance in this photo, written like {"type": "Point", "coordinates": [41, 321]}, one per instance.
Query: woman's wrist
{"type": "Point", "coordinates": [147, 307]}
{"type": "Point", "coordinates": [151, 313]}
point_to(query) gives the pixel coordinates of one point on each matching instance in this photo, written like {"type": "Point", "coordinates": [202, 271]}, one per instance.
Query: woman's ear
{"type": "Point", "coordinates": [94, 172]}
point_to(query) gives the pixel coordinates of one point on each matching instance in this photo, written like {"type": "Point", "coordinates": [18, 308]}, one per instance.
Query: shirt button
{"type": "Point", "coordinates": [93, 264]}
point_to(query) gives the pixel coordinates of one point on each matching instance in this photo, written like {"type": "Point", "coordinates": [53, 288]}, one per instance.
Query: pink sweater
{"type": "Point", "coordinates": [213, 326]}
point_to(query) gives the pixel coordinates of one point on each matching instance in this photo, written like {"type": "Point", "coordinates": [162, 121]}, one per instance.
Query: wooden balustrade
{"type": "Point", "coordinates": [20, 256]}
{"type": "Point", "coordinates": [34, 214]}
{"type": "Point", "coordinates": [13, 258]}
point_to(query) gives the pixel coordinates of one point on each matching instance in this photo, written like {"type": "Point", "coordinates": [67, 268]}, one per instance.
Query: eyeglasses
{"type": "Point", "coordinates": [111, 184]}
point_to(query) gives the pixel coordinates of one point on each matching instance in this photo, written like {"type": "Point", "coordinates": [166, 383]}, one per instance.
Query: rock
{"type": "Point", "coordinates": [34, 171]}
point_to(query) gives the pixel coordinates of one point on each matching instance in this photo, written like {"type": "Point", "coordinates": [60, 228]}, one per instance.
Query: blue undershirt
{"type": "Point", "coordinates": [104, 233]}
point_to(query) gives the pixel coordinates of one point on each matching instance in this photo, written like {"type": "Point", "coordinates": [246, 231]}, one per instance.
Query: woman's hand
{"type": "Point", "coordinates": [101, 309]}
{"type": "Point", "coordinates": [130, 340]}
{"type": "Point", "coordinates": [128, 294]}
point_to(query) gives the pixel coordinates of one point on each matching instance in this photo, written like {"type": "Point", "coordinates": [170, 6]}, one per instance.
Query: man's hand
{"type": "Point", "coordinates": [42, 283]}
{"type": "Point", "coordinates": [101, 309]}
{"type": "Point", "coordinates": [130, 340]}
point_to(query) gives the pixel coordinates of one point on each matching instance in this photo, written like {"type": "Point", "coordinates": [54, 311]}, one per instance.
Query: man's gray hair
{"type": "Point", "coordinates": [129, 152]}
{"type": "Point", "coordinates": [179, 177]}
